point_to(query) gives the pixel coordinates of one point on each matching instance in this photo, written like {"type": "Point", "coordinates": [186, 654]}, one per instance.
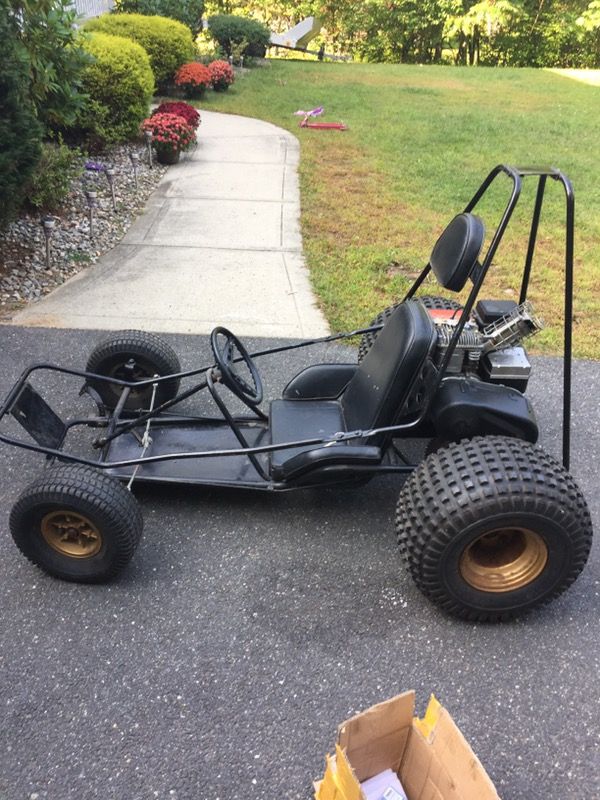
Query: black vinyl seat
{"type": "Point", "coordinates": [392, 369]}
{"type": "Point", "coordinates": [311, 419]}
{"type": "Point", "coordinates": [374, 397]}
{"type": "Point", "coordinates": [302, 419]}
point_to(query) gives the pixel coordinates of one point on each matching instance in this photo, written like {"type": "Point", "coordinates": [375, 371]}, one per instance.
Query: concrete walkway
{"type": "Point", "coordinates": [591, 76]}
{"type": "Point", "coordinates": [218, 244]}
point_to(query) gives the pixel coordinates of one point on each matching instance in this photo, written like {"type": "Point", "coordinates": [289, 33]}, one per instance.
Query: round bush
{"type": "Point", "coordinates": [185, 110]}
{"type": "Point", "coordinates": [50, 184]}
{"type": "Point", "coordinates": [222, 75]}
{"type": "Point", "coordinates": [230, 30]}
{"type": "Point", "coordinates": [169, 44]}
{"type": "Point", "coordinates": [193, 79]}
{"type": "Point", "coordinates": [120, 85]}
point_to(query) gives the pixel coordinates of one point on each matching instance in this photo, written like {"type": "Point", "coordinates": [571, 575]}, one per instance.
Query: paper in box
{"type": "Point", "coordinates": [383, 786]}
{"type": "Point", "coordinates": [430, 756]}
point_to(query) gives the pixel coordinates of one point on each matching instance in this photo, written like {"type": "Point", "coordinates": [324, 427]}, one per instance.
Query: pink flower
{"type": "Point", "coordinates": [169, 130]}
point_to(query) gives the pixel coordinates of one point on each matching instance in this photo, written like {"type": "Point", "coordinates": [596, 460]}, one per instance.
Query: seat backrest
{"type": "Point", "coordinates": [384, 380]}
{"type": "Point", "coordinates": [455, 254]}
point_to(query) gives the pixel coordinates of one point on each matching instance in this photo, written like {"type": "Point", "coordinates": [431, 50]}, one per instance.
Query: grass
{"type": "Point", "coordinates": [420, 141]}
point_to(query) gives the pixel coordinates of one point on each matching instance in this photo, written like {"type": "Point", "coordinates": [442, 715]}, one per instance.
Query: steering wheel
{"type": "Point", "coordinates": [246, 383]}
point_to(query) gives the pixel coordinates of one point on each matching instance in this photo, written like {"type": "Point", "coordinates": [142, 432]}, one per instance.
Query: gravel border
{"type": "Point", "coordinates": [24, 277]}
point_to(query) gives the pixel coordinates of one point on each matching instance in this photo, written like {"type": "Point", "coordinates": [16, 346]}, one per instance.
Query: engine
{"type": "Point", "coordinates": [491, 350]}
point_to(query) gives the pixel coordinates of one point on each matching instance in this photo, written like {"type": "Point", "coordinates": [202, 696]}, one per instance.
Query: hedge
{"type": "Point", "coordinates": [169, 44]}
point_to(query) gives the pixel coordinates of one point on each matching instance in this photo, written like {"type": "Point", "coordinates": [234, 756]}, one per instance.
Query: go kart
{"type": "Point", "coordinates": [488, 524]}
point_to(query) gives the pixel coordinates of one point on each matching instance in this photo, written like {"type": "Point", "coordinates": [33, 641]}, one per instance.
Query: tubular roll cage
{"type": "Point", "coordinates": [115, 426]}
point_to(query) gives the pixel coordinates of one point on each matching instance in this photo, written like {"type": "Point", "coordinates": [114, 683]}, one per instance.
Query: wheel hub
{"type": "Point", "coordinates": [132, 371]}
{"type": "Point", "coordinates": [71, 534]}
{"type": "Point", "coordinates": [504, 560]}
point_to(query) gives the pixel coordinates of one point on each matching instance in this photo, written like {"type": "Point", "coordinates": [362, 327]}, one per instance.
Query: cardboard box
{"type": "Point", "coordinates": [430, 756]}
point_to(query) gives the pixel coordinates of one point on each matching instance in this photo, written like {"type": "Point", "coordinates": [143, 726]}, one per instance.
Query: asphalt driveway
{"type": "Point", "coordinates": [248, 626]}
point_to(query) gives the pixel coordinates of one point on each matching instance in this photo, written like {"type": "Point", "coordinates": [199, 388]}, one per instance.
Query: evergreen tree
{"type": "Point", "coordinates": [48, 33]}
{"type": "Point", "coordinates": [20, 132]}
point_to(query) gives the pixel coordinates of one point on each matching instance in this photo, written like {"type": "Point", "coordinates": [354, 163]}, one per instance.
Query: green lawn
{"type": "Point", "coordinates": [421, 139]}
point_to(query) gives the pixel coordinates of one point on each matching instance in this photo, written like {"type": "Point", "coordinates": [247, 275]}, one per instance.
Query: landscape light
{"type": "Point", "coordinates": [91, 196]}
{"type": "Point", "coordinates": [110, 177]}
{"type": "Point", "coordinates": [148, 138]}
{"type": "Point", "coordinates": [48, 226]}
{"type": "Point", "coordinates": [135, 162]}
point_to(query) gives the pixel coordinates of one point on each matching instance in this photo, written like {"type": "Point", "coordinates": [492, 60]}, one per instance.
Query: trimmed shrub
{"type": "Point", "coordinates": [193, 79]}
{"type": "Point", "coordinates": [169, 44]}
{"type": "Point", "coordinates": [50, 183]}
{"type": "Point", "coordinates": [20, 133]}
{"type": "Point", "coordinates": [187, 11]}
{"type": "Point", "coordinates": [120, 85]}
{"type": "Point", "coordinates": [185, 110]}
{"type": "Point", "coordinates": [221, 74]}
{"type": "Point", "coordinates": [231, 32]}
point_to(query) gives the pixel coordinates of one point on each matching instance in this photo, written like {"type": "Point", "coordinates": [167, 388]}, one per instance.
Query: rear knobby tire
{"type": "Point", "coordinates": [429, 301]}
{"type": "Point", "coordinates": [491, 527]}
{"type": "Point", "coordinates": [152, 356]}
{"type": "Point", "coordinates": [77, 523]}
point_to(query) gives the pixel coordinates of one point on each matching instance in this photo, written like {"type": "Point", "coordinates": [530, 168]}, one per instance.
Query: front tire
{"type": "Point", "coordinates": [77, 523]}
{"type": "Point", "coordinates": [492, 527]}
{"type": "Point", "coordinates": [150, 356]}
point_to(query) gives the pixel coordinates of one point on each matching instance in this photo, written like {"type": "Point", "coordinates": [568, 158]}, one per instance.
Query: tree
{"type": "Point", "coordinates": [379, 30]}
{"type": "Point", "coordinates": [507, 32]}
{"type": "Point", "coordinates": [486, 26]}
{"type": "Point", "coordinates": [589, 26]}
{"type": "Point", "coordinates": [546, 35]}
{"type": "Point", "coordinates": [56, 60]}
{"type": "Point", "coordinates": [20, 132]}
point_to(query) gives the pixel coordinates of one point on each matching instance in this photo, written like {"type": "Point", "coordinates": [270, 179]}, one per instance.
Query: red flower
{"type": "Point", "coordinates": [185, 110]}
{"type": "Point", "coordinates": [193, 74]}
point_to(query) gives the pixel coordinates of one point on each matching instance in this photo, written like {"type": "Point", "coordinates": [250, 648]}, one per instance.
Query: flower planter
{"type": "Point", "coordinates": [222, 75]}
{"type": "Point", "coordinates": [193, 79]}
{"type": "Point", "coordinates": [170, 134]}
{"type": "Point", "coordinates": [168, 156]}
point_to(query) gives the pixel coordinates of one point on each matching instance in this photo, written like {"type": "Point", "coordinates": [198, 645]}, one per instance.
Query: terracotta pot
{"type": "Point", "coordinates": [168, 156]}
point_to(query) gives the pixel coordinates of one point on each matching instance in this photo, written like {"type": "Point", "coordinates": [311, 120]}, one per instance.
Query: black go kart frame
{"type": "Point", "coordinates": [489, 525]}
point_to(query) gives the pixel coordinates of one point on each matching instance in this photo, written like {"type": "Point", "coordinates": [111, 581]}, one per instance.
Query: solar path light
{"type": "Point", "coordinates": [48, 226]}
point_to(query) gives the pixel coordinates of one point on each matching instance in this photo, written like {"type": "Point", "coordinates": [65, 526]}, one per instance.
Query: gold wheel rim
{"type": "Point", "coordinates": [503, 560]}
{"type": "Point", "coordinates": [71, 534]}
